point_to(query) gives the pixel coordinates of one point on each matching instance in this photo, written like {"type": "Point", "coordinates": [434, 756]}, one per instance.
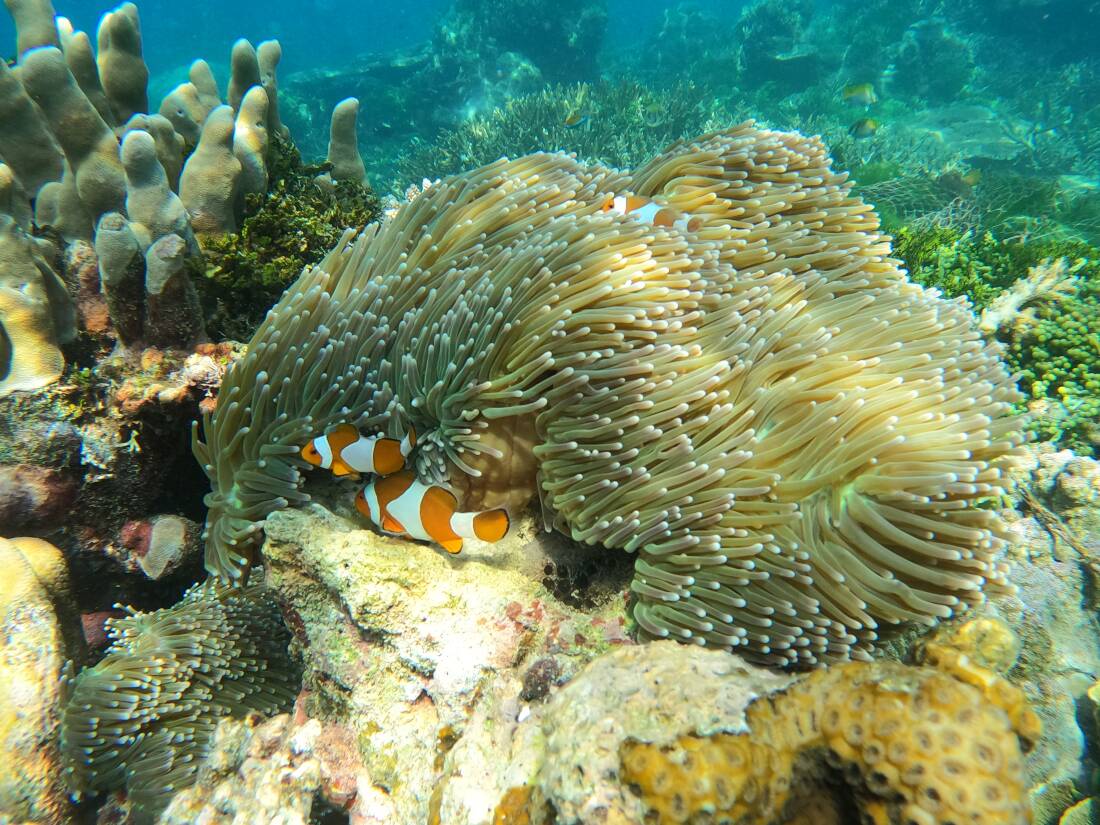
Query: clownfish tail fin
{"type": "Point", "coordinates": [490, 525]}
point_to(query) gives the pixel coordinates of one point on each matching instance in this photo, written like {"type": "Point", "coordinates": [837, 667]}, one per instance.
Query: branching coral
{"type": "Point", "coordinates": [791, 436]}
{"type": "Point", "coordinates": [913, 745]}
{"type": "Point", "coordinates": [143, 717]}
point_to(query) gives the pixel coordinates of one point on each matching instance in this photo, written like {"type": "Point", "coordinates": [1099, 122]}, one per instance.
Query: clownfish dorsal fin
{"type": "Point", "coordinates": [409, 441]}
{"type": "Point", "coordinates": [341, 436]}
{"type": "Point", "coordinates": [388, 457]}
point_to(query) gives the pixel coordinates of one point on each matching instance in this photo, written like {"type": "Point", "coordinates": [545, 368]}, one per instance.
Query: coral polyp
{"type": "Point", "coordinates": [792, 437]}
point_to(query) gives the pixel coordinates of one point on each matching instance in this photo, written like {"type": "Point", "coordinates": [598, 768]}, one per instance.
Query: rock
{"type": "Point", "coordinates": [162, 545]}
{"type": "Point", "coordinates": [33, 497]}
{"type": "Point", "coordinates": [31, 656]}
{"type": "Point", "coordinates": [413, 650]}
{"type": "Point", "coordinates": [257, 771]}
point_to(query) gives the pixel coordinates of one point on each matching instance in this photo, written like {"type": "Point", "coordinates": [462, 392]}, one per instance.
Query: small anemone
{"type": "Point", "coordinates": [142, 718]}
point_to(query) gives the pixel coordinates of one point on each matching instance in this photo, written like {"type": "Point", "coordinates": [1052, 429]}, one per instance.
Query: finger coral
{"type": "Point", "coordinates": [912, 745]}
{"type": "Point", "coordinates": [143, 717]}
{"type": "Point", "coordinates": [791, 437]}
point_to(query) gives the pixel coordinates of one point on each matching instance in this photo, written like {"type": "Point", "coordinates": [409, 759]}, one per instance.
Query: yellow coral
{"type": "Point", "coordinates": [913, 745]}
{"type": "Point", "coordinates": [987, 641]}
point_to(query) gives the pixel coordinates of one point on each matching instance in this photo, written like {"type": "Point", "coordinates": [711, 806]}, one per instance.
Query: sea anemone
{"type": "Point", "coordinates": [793, 438]}
{"type": "Point", "coordinates": [142, 718]}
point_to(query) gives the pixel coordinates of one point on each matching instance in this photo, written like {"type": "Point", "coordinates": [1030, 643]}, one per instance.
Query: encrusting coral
{"type": "Point", "coordinates": [791, 436]}
{"type": "Point", "coordinates": [913, 745]}
{"type": "Point", "coordinates": [142, 718]}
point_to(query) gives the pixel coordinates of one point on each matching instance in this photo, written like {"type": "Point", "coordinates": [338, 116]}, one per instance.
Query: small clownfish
{"type": "Point", "coordinates": [643, 209]}
{"type": "Point", "coordinates": [345, 451]}
{"type": "Point", "coordinates": [402, 505]}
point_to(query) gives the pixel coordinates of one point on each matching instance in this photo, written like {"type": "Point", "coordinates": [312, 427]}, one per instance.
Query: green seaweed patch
{"type": "Point", "coordinates": [292, 226]}
{"type": "Point", "coordinates": [1056, 353]}
{"type": "Point", "coordinates": [1053, 346]}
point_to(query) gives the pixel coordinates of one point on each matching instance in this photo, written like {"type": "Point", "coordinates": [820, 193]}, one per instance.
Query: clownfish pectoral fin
{"type": "Point", "coordinates": [492, 525]}
{"type": "Point", "coordinates": [340, 469]}
{"type": "Point", "coordinates": [452, 546]}
{"type": "Point", "coordinates": [388, 457]}
{"type": "Point", "coordinates": [391, 525]}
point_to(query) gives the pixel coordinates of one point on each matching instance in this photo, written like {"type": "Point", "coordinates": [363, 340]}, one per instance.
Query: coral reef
{"type": "Point", "coordinates": [174, 673]}
{"type": "Point", "coordinates": [255, 772]}
{"type": "Point", "coordinates": [691, 395]}
{"type": "Point", "coordinates": [626, 124]}
{"type": "Point", "coordinates": [31, 656]}
{"type": "Point", "coordinates": [403, 644]}
{"type": "Point", "coordinates": [932, 62]}
{"type": "Point", "coordinates": [146, 187]}
{"type": "Point", "coordinates": [912, 745]}
{"type": "Point", "coordinates": [36, 313]}
{"type": "Point", "coordinates": [1040, 300]}
{"type": "Point", "coordinates": [290, 227]}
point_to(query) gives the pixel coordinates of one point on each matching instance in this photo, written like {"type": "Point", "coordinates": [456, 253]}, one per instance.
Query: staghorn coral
{"type": "Point", "coordinates": [912, 745]}
{"type": "Point", "coordinates": [791, 436]}
{"type": "Point", "coordinates": [1049, 281]}
{"type": "Point", "coordinates": [143, 717]}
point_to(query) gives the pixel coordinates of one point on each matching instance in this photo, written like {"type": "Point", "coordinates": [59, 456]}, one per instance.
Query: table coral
{"type": "Point", "coordinates": [791, 436]}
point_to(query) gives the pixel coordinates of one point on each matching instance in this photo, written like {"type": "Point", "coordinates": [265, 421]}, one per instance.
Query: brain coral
{"type": "Point", "coordinates": [791, 437]}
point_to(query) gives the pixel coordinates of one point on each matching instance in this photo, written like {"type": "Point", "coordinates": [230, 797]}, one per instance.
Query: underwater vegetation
{"type": "Point", "coordinates": [143, 717]}
{"type": "Point", "coordinates": [288, 227]}
{"type": "Point", "coordinates": [620, 124]}
{"type": "Point", "coordinates": [1039, 298]}
{"type": "Point", "coordinates": [690, 391]}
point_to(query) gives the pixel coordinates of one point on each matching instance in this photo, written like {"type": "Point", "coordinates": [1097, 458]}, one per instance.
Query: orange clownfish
{"type": "Point", "coordinates": [345, 451]}
{"type": "Point", "coordinates": [402, 505]}
{"type": "Point", "coordinates": [643, 209]}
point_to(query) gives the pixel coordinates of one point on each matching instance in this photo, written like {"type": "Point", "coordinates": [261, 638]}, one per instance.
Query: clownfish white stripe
{"type": "Point", "coordinates": [325, 451]}
{"type": "Point", "coordinates": [406, 509]}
